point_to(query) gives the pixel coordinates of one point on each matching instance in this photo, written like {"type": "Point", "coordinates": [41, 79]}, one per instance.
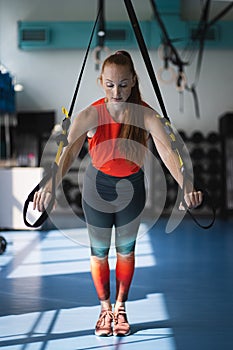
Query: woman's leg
{"type": "Point", "coordinates": [100, 275]}
{"type": "Point", "coordinates": [99, 221]}
{"type": "Point", "coordinates": [124, 274]}
{"type": "Point", "coordinates": [99, 224]}
{"type": "Point", "coordinates": [100, 242]}
{"type": "Point", "coordinates": [127, 223]}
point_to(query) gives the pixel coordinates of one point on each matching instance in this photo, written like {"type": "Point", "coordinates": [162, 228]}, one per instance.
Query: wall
{"type": "Point", "coordinates": [49, 77]}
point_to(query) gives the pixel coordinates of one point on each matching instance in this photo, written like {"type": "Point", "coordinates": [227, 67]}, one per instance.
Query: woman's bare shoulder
{"type": "Point", "coordinates": [88, 117]}
{"type": "Point", "coordinates": [84, 121]}
{"type": "Point", "coordinates": [151, 119]}
{"type": "Point", "coordinates": [89, 112]}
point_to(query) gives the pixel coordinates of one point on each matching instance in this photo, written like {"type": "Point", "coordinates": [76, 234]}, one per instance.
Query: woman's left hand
{"type": "Point", "coordinates": [192, 199]}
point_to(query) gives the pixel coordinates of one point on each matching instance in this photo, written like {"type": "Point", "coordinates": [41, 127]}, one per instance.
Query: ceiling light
{"type": "Point", "coordinates": [101, 33]}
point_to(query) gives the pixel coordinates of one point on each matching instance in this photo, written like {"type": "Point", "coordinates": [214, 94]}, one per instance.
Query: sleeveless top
{"type": "Point", "coordinates": [103, 148]}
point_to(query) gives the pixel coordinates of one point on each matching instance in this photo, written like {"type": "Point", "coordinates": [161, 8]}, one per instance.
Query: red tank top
{"type": "Point", "coordinates": [103, 149]}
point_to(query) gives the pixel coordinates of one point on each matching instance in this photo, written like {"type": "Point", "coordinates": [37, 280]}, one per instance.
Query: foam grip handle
{"type": "Point", "coordinates": [46, 212]}
{"type": "Point", "coordinates": [206, 200]}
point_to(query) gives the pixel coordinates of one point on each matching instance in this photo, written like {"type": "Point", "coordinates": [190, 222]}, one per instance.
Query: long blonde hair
{"type": "Point", "coordinates": [133, 127]}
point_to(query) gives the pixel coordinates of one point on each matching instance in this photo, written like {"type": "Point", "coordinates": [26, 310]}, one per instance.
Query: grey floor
{"type": "Point", "coordinates": [181, 296]}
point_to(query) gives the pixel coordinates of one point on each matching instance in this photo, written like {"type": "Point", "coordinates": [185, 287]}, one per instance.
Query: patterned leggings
{"type": "Point", "coordinates": [108, 202]}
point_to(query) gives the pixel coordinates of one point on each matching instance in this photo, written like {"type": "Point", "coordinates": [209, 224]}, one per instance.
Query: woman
{"type": "Point", "coordinates": [117, 127]}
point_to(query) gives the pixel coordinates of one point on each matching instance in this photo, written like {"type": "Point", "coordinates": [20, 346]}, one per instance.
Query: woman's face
{"type": "Point", "coordinates": [117, 82]}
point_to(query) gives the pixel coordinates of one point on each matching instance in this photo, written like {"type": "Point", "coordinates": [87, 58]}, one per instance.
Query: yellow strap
{"type": "Point", "coordinates": [180, 159]}
{"type": "Point", "coordinates": [173, 139]}
{"type": "Point", "coordinates": [64, 111]}
{"type": "Point", "coordinates": [61, 143]}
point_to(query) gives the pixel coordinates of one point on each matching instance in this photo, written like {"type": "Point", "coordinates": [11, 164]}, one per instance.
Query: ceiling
{"type": "Point", "coordinates": [190, 10]}
{"type": "Point", "coordinates": [115, 9]}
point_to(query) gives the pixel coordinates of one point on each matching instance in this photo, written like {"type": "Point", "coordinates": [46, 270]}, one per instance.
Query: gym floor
{"type": "Point", "coordinates": [181, 296]}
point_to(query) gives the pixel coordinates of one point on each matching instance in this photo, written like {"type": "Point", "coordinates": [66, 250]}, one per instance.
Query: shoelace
{"type": "Point", "coordinates": [120, 312]}
{"type": "Point", "coordinates": [103, 315]}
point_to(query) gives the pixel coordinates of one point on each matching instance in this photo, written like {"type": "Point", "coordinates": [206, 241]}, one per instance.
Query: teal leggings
{"type": "Point", "coordinates": [108, 202]}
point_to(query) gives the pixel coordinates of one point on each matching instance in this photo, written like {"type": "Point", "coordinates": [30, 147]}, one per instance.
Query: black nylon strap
{"type": "Point", "coordinates": [220, 15]}
{"type": "Point", "coordinates": [52, 174]}
{"type": "Point", "coordinates": [84, 64]}
{"type": "Point", "coordinates": [145, 55]}
{"type": "Point", "coordinates": [201, 34]}
{"type": "Point", "coordinates": [176, 58]}
{"type": "Point", "coordinates": [205, 201]}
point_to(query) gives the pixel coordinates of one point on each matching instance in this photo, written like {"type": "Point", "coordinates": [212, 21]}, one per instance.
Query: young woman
{"type": "Point", "coordinates": [117, 127]}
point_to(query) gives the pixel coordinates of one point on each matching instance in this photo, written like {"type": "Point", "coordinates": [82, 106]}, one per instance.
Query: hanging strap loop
{"type": "Point", "coordinates": [149, 66]}
{"type": "Point", "coordinates": [205, 202]}
{"type": "Point", "coordinates": [63, 141]}
{"type": "Point", "coordinates": [51, 174]}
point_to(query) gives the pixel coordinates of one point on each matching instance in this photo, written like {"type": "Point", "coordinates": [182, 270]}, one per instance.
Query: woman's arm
{"type": "Point", "coordinates": [170, 157]}
{"type": "Point", "coordinates": [85, 121]}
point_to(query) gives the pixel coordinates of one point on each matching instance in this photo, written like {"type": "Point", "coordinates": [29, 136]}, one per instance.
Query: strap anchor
{"type": "Point", "coordinates": [62, 137]}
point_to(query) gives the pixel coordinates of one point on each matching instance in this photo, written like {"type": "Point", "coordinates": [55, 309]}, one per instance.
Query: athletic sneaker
{"type": "Point", "coordinates": [104, 324]}
{"type": "Point", "coordinates": [121, 326]}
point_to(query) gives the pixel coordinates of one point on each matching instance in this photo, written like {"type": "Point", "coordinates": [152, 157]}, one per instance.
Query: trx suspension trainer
{"type": "Point", "coordinates": [66, 123]}
{"type": "Point", "coordinates": [165, 120]}
{"type": "Point", "coordinates": [62, 142]}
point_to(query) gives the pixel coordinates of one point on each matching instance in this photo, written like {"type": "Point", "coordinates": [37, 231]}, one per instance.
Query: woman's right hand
{"type": "Point", "coordinates": [41, 199]}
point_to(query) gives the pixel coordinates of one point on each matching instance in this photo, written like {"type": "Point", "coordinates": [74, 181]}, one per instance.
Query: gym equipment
{"type": "Point", "coordinates": [198, 154]}
{"type": "Point", "coordinates": [213, 138]}
{"type": "Point", "coordinates": [226, 132]}
{"type": "Point", "coordinates": [3, 245]}
{"type": "Point", "coordinates": [213, 154]}
{"type": "Point", "coordinates": [62, 142]}
{"type": "Point", "coordinates": [197, 137]}
{"type": "Point", "coordinates": [176, 145]}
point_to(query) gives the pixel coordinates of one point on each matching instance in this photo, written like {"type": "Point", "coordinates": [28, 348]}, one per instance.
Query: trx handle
{"type": "Point", "coordinates": [51, 175]}
{"type": "Point", "coordinates": [206, 201]}
{"type": "Point", "coordinates": [62, 142]}
{"type": "Point", "coordinates": [150, 70]}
